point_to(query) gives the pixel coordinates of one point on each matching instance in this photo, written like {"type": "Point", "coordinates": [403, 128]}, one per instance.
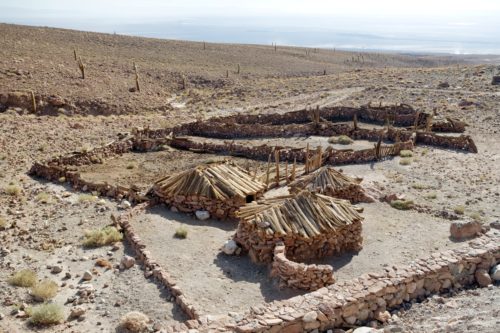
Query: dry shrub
{"type": "Point", "coordinates": [13, 190]}
{"type": "Point", "coordinates": [46, 314]}
{"type": "Point", "coordinates": [23, 278]}
{"type": "Point", "coordinates": [3, 223]}
{"type": "Point", "coordinates": [460, 210]}
{"type": "Point", "coordinates": [405, 161]}
{"type": "Point", "coordinates": [406, 153]}
{"type": "Point", "coordinates": [44, 290]}
{"type": "Point", "coordinates": [181, 232]}
{"type": "Point", "coordinates": [342, 140]}
{"type": "Point", "coordinates": [43, 197]}
{"type": "Point", "coordinates": [402, 204]}
{"type": "Point", "coordinates": [135, 322]}
{"type": "Point", "coordinates": [101, 237]}
{"type": "Point", "coordinates": [87, 198]}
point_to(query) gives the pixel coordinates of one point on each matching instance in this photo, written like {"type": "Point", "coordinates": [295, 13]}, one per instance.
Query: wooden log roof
{"type": "Point", "coordinates": [322, 178]}
{"type": "Point", "coordinates": [305, 214]}
{"type": "Point", "coordinates": [217, 181]}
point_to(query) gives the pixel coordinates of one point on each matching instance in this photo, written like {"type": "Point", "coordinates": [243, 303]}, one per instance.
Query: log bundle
{"type": "Point", "coordinates": [328, 181]}
{"type": "Point", "coordinates": [219, 188]}
{"type": "Point", "coordinates": [310, 225]}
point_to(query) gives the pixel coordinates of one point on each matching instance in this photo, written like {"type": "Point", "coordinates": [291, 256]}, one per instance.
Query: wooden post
{"type": "Point", "coordinates": [275, 47]}
{"type": "Point", "coordinates": [268, 169]}
{"type": "Point", "coordinates": [320, 156]}
{"type": "Point", "coordinates": [377, 147]}
{"type": "Point", "coordinates": [307, 159]}
{"type": "Point", "coordinates": [293, 168]}
{"type": "Point", "coordinates": [286, 172]}
{"type": "Point", "coordinates": [428, 125]}
{"type": "Point", "coordinates": [74, 54]}
{"type": "Point", "coordinates": [227, 72]}
{"type": "Point", "coordinates": [355, 121]}
{"type": "Point", "coordinates": [277, 160]}
{"type": "Point", "coordinates": [204, 45]}
{"type": "Point", "coordinates": [33, 101]}
{"type": "Point", "coordinates": [238, 71]}
{"type": "Point", "coordinates": [183, 82]}
{"type": "Point", "coordinates": [415, 124]}
{"type": "Point", "coordinates": [81, 66]}
{"type": "Point", "coordinates": [137, 87]}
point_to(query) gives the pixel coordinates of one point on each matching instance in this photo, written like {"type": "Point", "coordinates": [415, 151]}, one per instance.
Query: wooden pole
{"type": "Point", "coordinates": [355, 121]}
{"type": "Point", "coordinates": [137, 87]}
{"type": "Point", "coordinates": [286, 172]}
{"type": "Point", "coordinates": [33, 101]}
{"type": "Point", "coordinates": [268, 169]}
{"type": "Point", "coordinates": [415, 124]}
{"type": "Point", "coordinates": [277, 160]}
{"type": "Point", "coordinates": [293, 168]}
{"type": "Point", "coordinates": [307, 159]}
{"type": "Point", "coordinates": [320, 156]}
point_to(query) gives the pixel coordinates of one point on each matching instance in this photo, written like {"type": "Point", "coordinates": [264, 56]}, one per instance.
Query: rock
{"type": "Point", "coordinates": [125, 205]}
{"type": "Point", "coordinates": [365, 329]}
{"type": "Point", "coordinates": [464, 229]}
{"type": "Point", "coordinates": [495, 273]}
{"type": "Point", "coordinates": [2, 316]}
{"type": "Point", "coordinates": [87, 276]}
{"type": "Point", "coordinates": [382, 316]}
{"type": "Point", "coordinates": [174, 209]}
{"type": "Point", "coordinates": [495, 80]}
{"type": "Point", "coordinates": [483, 279]}
{"type": "Point", "coordinates": [310, 317]}
{"type": "Point", "coordinates": [495, 225]}
{"type": "Point", "coordinates": [77, 312]}
{"type": "Point", "coordinates": [127, 262]}
{"type": "Point", "coordinates": [443, 85]}
{"type": "Point", "coordinates": [56, 269]}
{"type": "Point", "coordinates": [230, 247]}
{"type": "Point", "coordinates": [202, 215]}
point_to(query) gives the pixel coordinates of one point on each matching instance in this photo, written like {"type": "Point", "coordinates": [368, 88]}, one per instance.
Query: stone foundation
{"type": "Point", "coordinates": [260, 245]}
{"type": "Point", "coordinates": [297, 275]}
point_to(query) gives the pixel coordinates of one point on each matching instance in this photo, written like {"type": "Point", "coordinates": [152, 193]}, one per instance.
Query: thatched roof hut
{"type": "Point", "coordinates": [219, 188]}
{"type": "Point", "coordinates": [328, 181]}
{"type": "Point", "coordinates": [311, 225]}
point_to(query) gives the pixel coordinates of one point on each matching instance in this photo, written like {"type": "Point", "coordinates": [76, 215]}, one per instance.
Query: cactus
{"type": "Point", "coordinates": [81, 65]}
{"type": "Point", "coordinates": [136, 78]}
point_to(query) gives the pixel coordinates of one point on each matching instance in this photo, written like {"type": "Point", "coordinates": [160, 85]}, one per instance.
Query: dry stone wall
{"type": "Point", "coordinates": [367, 297]}
{"type": "Point", "coordinates": [298, 275]}
{"type": "Point", "coordinates": [260, 245]}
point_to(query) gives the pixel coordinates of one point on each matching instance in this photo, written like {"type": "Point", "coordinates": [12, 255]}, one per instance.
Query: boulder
{"type": "Point", "coordinates": [483, 279]}
{"type": "Point", "coordinates": [127, 262]}
{"type": "Point", "coordinates": [495, 273]}
{"type": "Point", "coordinates": [202, 215]}
{"type": "Point", "coordinates": [230, 247]}
{"type": "Point", "coordinates": [87, 276]}
{"type": "Point", "coordinates": [464, 229]}
{"type": "Point", "coordinates": [125, 204]}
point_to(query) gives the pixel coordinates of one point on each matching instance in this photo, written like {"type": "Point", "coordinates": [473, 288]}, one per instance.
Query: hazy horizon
{"type": "Point", "coordinates": [427, 26]}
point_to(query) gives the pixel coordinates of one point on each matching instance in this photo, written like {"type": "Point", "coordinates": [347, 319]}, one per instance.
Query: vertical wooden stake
{"type": "Point", "coordinates": [286, 172]}
{"type": "Point", "coordinates": [227, 73]}
{"type": "Point", "coordinates": [355, 121]}
{"type": "Point", "coordinates": [204, 46]}
{"type": "Point", "coordinates": [238, 71]}
{"type": "Point", "coordinates": [268, 169]}
{"type": "Point", "coordinates": [277, 160]}
{"type": "Point", "coordinates": [137, 87]}
{"type": "Point", "coordinates": [293, 168]}
{"type": "Point", "coordinates": [74, 54]}
{"type": "Point", "coordinates": [415, 124]}
{"type": "Point", "coordinates": [307, 158]}
{"type": "Point", "coordinates": [320, 156]}
{"type": "Point", "coordinates": [33, 101]}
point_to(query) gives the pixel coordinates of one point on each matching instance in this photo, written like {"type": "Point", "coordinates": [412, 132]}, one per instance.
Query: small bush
{"type": "Point", "coordinates": [101, 237]}
{"type": "Point", "coordinates": [23, 278]}
{"type": "Point", "coordinates": [44, 290]}
{"type": "Point", "coordinates": [43, 197]}
{"type": "Point", "coordinates": [476, 216]}
{"type": "Point", "coordinates": [405, 161]}
{"type": "Point", "coordinates": [406, 153]}
{"type": "Point", "coordinates": [342, 140]}
{"type": "Point", "coordinates": [62, 179]}
{"type": "Point", "coordinates": [46, 314]}
{"type": "Point", "coordinates": [13, 190]}
{"type": "Point", "coordinates": [3, 223]}
{"type": "Point", "coordinates": [86, 198]}
{"type": "Point", "coordinates": [181, 232]}
{"type": "Point", "coordinates": [419, 186]}
{"type": "Point", "coordinates": [135, 322]}
{"type": "Point", "coordinates": [402, 204]}
{"type": "Point", "coordinates": [460, 210]}
{"type": "Point", "coordinates": [130, 166]}
{"type": "Point", "coordinates": [431, 196]}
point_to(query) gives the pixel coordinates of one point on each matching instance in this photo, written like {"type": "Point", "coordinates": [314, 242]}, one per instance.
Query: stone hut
{"type": "Point", "coordinates": [310, 225]}
{"type": "Point", "coordinates": [328, 181]}
{"type": "Point", "coordinates": [219, 188]}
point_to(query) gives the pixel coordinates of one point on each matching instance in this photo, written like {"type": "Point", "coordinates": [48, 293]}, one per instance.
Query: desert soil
{"type": "Point", "coordinates": [41, 235]}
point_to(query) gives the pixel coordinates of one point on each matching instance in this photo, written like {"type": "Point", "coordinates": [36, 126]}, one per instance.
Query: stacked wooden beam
{"type": "Point", "coordinates": [310, 225]}
{"type": "Point", "coordinates": [328, 181]}
{"type": "Point", "coordinates": [220, 188]}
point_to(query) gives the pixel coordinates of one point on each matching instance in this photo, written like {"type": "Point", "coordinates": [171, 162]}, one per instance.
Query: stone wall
{"type": "Point", "coordinates": [152, 268]}
{"type": "Point", "coordinates": [369, 296]}
{"type": "Point", "coordinates": [260, 245]}
{"type": "Point", "coordinates": [298, 275]}
{"type": "Point", "coordinates": [217, 208]}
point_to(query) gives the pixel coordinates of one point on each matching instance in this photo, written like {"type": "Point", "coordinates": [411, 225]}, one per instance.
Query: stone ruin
{"type": "Point", "coordinates": [310, 226]}
{"type": "Point", "coordinates": [219, 188]}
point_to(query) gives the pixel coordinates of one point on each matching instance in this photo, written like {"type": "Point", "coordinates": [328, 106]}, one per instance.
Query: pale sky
{"type": "Point", "coordinates": [455, 21]}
